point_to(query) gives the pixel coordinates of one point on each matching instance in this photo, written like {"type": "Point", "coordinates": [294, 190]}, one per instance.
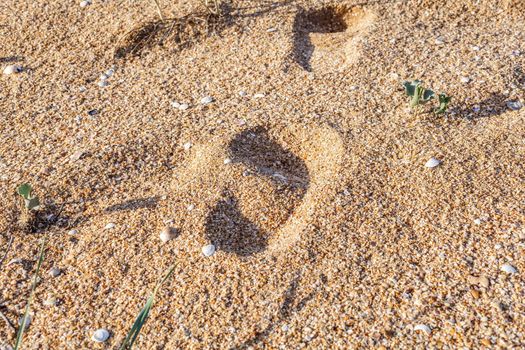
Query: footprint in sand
{"type": "Point", "coordinates": [264, 199]}
{"type": "Point", "coordinates": [327, 39]}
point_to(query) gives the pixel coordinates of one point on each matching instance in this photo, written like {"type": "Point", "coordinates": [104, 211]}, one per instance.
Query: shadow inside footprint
{"type": "Point", "coordinates": [229, 230]}
{"type": "Point", "coordinates": [262, 156]}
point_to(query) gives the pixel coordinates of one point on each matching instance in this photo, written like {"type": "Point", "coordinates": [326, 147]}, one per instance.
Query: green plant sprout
{"type": "Point", "coordinates": [25, 318]}
{"type": "Point", "coordinates": [31, 202]}
{"type": "Point", "coordinates": [444, 100]}
{"type": "Point", "coordinates": [143, 314]}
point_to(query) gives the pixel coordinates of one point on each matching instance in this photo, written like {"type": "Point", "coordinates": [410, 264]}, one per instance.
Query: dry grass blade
{"type": "Point", "coordinates": [22, 327]}
{"type": "Point", "coordinates": [143, 314]}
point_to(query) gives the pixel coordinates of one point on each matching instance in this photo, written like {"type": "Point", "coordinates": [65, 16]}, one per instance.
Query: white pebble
{"type": "Point", "coordinates": [514, 105]}
{"type": "Point", "coordinates": [191, 207]}
{"type": "Point", "coordinates": [110, 72]}
{"type": "Point", "coordinates": [54, 272]}
{"type": "Point", "coordinates": [109, 226]}
{"type": "Point", "coordinates": [77, 155]}
{"type": "Point", "coordinates": [103, 83]}
{"type": "Point", "coordinates": [12, 69]}
{"type": "Point", "coordinates": [227, 161]}
{"type": "Point", "coordinates": [208, 250]}
{"type": "Point", "coordinates": [50, 302]}
{"type": "Point", "coordinates": [271, 30]}
{"type": "Point", "coordinates": [498, 246]}
{"type": "Point", "coordinates": [477, 221]}
{"type": "Point", "coordinates": [508, 268]}
{"type": "Point", "coordinates": [82, 89]}
{"type": "Point", "coordinates": [100, 335]}
{"type": "Point", "coordinates": [432, 163]}
{"type": "Point", "coordinates": [72, 232]}
{"type": "Point", "coordinates": [243, 93]}
{"type": "Point", "coordinates": [104, 76]}
{"type": "Point", "coordinates": [175, 104]}
{"type": "Point", "coordinates": [285, 328]}
{"type": "Point", "coordinates": [187, 146]}
{"type": "Point", "coordinates": [465, 79]}
{"type": "Point", "coordinates": [423, 328]}
{"type": "Point", "coordinates": [475, 48]}
{"type": "Point", "coordinates": [167, 234]}
{"type": "Point", "coordinates": [85, 3]}
{"type": "Point", "coordinates": [184, 106]}
{"type": "Point", "coordinates": [439, 41]}
{"type": "Point", "coordinates": [259, 95]}
{"type": "Point", "coordinates": [206, 100]}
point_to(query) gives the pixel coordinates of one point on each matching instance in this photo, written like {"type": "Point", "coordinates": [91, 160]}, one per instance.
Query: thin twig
{"type": "Point", "coordinates": [7, 250]}
{"type": "Point", "coordinates": [159, 10]}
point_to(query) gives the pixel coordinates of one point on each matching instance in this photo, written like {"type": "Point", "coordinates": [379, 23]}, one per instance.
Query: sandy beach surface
{"type": "Point", "coordinates": [280, 133]}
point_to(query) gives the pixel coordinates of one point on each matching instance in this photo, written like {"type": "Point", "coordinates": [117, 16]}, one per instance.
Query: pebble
{"type": "Point", "coordinates": [100, 335]}
{"type": "Point", "coordinates": [72, 232]}
{"type": "Point", "coordinates": [77, 155]}
{"type": "Point", "coordinates": [484, 282]}
{"type": "Point", "coordinates": [508, 268]}
{"type": "Point", "coordinates": [227, 161]}
{"type": "Point", "coordinates": [423, 328]}
{"type": "Point", "coordinates": [191, 207]}
{"type": "Point", "coordinates": [285, 328]}
{"type": "Point", "coordinates": [109, 226]}
{"type": "Point", "coordinates": [104, 76]}
{"type": "Point", "coordinates": [475, 48]}
{"type": "Point", "coordinates": [477, 221]}
{"type": "Point", "coordinates": [208, 250]}
{"type": "Point", "coordinates": [85, 3]}
{"type": "Point", "coordinates": [110, 72]}
{"type": "Point", "coordinates": [439, 41]}
{"type": "Point", "coordinates": [175, 104]}
{"type": "Point", "coordinates": [242, 122]}
{"type": "Point", "coordinates": [243, 93]}
{"type": "Point", "coordinates": [50, 301]}
{"type": "Point", "coordinates": [465, 80]}
{"type": "Point", "coordinates": [206, 100]}
{"type": "Point", "coordinates": [54, 272]}
{"type": "Point", "coordinates": [476, 109]}
{"type": "Point", "coordinates": [271, 30]}
{"type": "Point", "coordinates": [82, 89]}
{"type": "Point", "coordinates": [259, 95]}
{"type": "Point", "coordinates": [187, 146]}
{"type": "Point", "coordinates": [184, 106]}
{"type": "Point", "coordinates": [12, 69]}
{"type": "Point", "coordinates": [103, 83]}
{"type": "Point", "coordinates": [514, 105]}
{"type": "Point", "coordinates": [167, 234]}
{"type": "Point", "coordinates": [432, 163]}
{"type": "Point", "coordinates": [475, 293]}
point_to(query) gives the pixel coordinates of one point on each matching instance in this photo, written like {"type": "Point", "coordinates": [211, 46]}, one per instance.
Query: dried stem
{"type": "Point", "coordinates": [159, 10]}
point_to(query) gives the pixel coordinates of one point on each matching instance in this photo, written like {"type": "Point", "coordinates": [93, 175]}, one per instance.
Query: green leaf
{"type": "Point", "coordinates": [410, 87]}
{"type": "Point", "coordinates": [444, 100]}
{"type": "Point", "coordinates": [427, 95]}
{"type": "Point", "coordinates": [24, 190]}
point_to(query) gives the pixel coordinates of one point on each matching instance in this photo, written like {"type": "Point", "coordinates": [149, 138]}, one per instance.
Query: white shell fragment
{"type": "Point", "coordinates": [184, 106]}
{"type": "Point", "coordinates": [508, 268]}
{"type": "Point", "coordinates": [432, 163]}
{"type": "Point", "coordinates": [103, 83]}
{"type": "Point", "coordinates": [191, 207]}
{"type": "Point", "coordinates": [12, 69]}
{"type": "Point", "coordinates": [54, 272]}
{"type": "Point", "coordinates": [175, 104]}
{"type": "Point", "coordinates": [259, 95]}
{"type": "Point", "coordinates": [514, 105]}
{"type": "Point", "coordinates": [100, 335]}
{"type": "Point", "coordinates": [72, 232]}
{"type": "Point", "coordinates": [85, 3]}
{"type": "Point", "coordinates": [465, 80]}
{"type": "Point", "coordinates": [423, 328]}
{"type": "Point", "coordinates": [243, 93]}
{"type": "Point", "coordinates": [208, 250]}
{"type": "Point", "coordinates": [227, 161]}
{"type": "Point", "coordinates": [50, 301]}
{"type": "Point", "coordinates": [167, 234]}
{"type": "Point", "coordinates": [109, 226]}
{"type": "Point", "coordinates": [206, 100]}
{"type": "Point", "coordinates": [187, 146]}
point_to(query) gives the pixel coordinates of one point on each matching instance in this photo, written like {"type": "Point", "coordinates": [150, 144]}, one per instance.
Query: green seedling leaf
{"type": "Point", "coordinates": [427, 95]}
{"type": "Point", "coordinates": [410, 87]}
{"type": "Point", "coordinates": [444, 100]}
{"type": "Point", "coordinates": [23, 325]}
{"type": "Point", "coordinates": [143, 314]}
{"type": "Point", "coordinates": [25, 191]}
{"type": "Point", "coordinates": [32, 203]}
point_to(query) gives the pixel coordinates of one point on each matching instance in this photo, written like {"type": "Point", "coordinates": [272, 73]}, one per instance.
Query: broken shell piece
{"type": "Point", "coordinates": [423, 328]}
{"type": "Point", "coordinates": [167, 234]}
{"type": "Point", "coordinates": [208, 250]}
{"type": "Point", "coordinates": [508, 268]}
{"type": "Point", "coordinates": [12, 69]}
{"type": "Point", "coordinates": [100, 335]}
{"type": "Point", "coordinates": [432, 163]}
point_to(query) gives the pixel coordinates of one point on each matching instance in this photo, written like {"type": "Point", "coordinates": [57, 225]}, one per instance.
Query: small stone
{"type": "Point", "coordinates": [498, 246]}
{"type": "Point", "coordinates": [514, 105]}
{"type": "Point", "coordinates": [82, 89]}
{"type": "Point", "coordinates": [100, 335]}
{"type": "Point", "coordinates": [486, 342]}
{"type": "Point", "coordinates": [484, 282]}
{"type": "Point", "coordinates": [227, 161]}
{"type": "Point", "coordinates": [439, 40]}
{"type": "Point", "coordinates": [423, 328]}
{"type": "Point", "coordinates": [92, 112]}
{"type": "Point", "coordinates": [103, 83]}
{"type": "Point", "coordinates": [465, 80]}
{"type": "Point", "coordinates": [184, 106]}
{"type": "Point", "coordinates": [271, 30]}
{"type": "Point", "coordinates": [50, 302]}
{"type": "Point", "coordinates": [475, 48]}
{"type": "Point", "coordinates": [175, 104]}
{"type": "Point", "coordinates": [110, 72]}
{"type": "Point", "coordinates": [206, 100]}
{"type": "Point", "coordinates": [259, 95]}
{"type": "Point", "coordinates": [85, 3]}
{"type": "Point", "coordinates": [104, 76]}
{"type": "Point", "coordinates": [242, 122]}
{"type": "Point", "coordinates": [285, 328]}
{"type": "Point", "coordinates": [12, 69]}
{"type": "Point", "coordinates": [77, 155]}
{"type": "Point", "coordinates": [208, 250]}
{"type": "Point", "coordinates": [508, 268]}
{"type": "Point", "coordinates": [475, 293]}
{"type": "Point", "coordinates": [190, 207]}
{"type": "Point", "coordinates": [54, 272]}
{"type": "Point", "coordinates": [72, 232]}
{"type": "Point", "coordinates": [187, 146]}
{"type": "Point", "coordinates": [476, 108]}
{"type": "Point", "coordinates": [472, 280]}
{"type": "Point", "coordinates": [167, 234]}
{"type": "Point", "coordinates": [477, 221]}
{"type": "Point", "coordinates": [109, 226]}
{"type": "Point", "coordinates": [243, 93]}
{"type": "Point", "coordinates": [432, 163]}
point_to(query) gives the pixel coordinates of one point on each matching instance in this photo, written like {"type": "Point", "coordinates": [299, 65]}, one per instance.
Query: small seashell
{"type": "Point", "coordinates": [475, 293]}
{"type": "Point", "coordinates": [12, 69]}
{"type": "Point", "coordinates": [514, 105]}
{"type": "Point", "coordinates": [54, 272]}
{"type": "Point", "coordinates": [109, 226]}
{"type": "Point", "coordinates": [242, 122]}
{"type": "Point", "coordinates": [14, 261]}
{"type": "Point", "coordinates": [187, 146]}
{"type": "Point", "coordinates": [85, 3]}
{"type": "Point", "coordinates": [184, 106]}
{"type": "Point", "coordinates": [508, 268]}
{"type": "Point", "coordinates": [100, 335]}
{"type": "Point", "coordinates": [167, 234]}
{"type": "Point", "coordinates": [103, 83]}
{"type": "Point", "coordinates": [72, 232]}
{"type": "Point", "coordinates": [208, 250]}
{"type": "Point", "coordinates": [423, 328]}
{"type": "Point", "coordinates": [82, 89]}
{"type": "Point", "coordinates": [227, 161]}
{"type": "Point", "coordinates": [432, 163]}
{"type": "Point", "coordinates": [285, 328]}
{"type": "Point", "coordinates": [206, 100]}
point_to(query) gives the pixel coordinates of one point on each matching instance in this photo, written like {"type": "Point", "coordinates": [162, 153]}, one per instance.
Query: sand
{"type": "Point", "coordinates": [330, 231]}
